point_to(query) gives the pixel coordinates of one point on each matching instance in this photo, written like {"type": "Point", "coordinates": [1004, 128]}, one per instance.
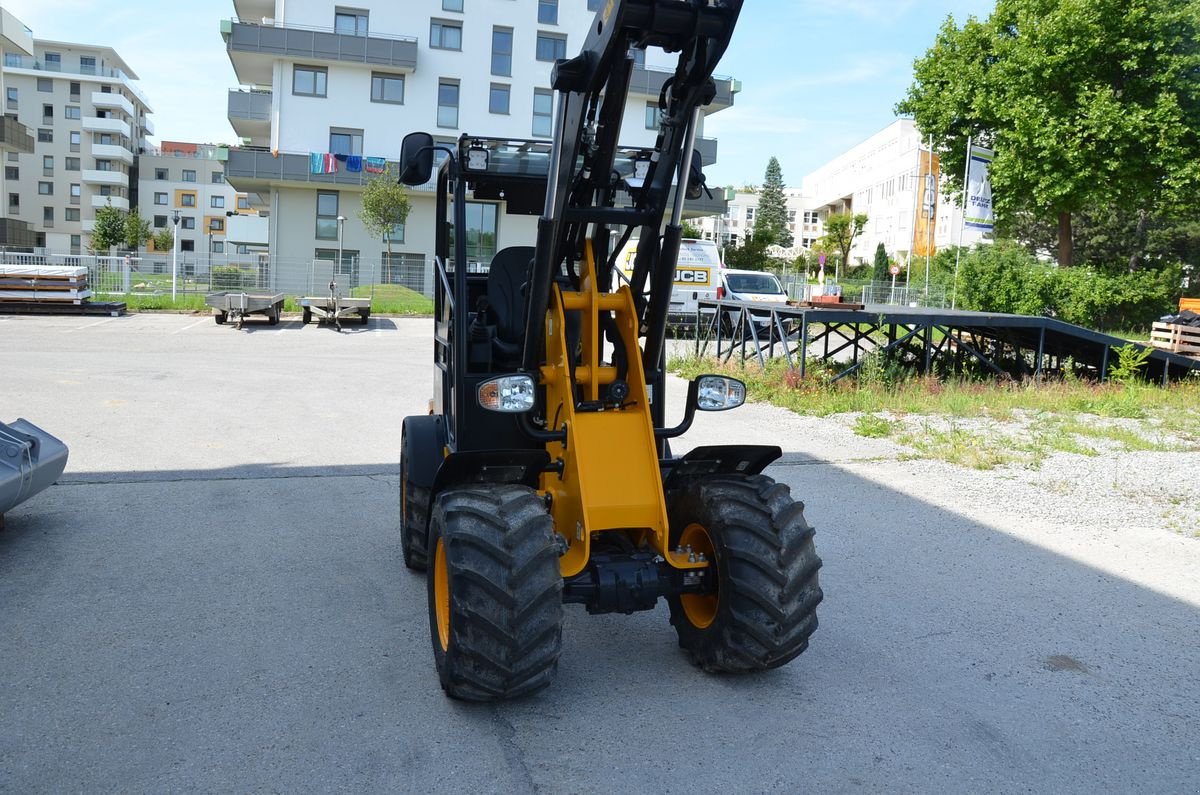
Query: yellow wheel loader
{"type": "Point", "coordinates": [542, 475]}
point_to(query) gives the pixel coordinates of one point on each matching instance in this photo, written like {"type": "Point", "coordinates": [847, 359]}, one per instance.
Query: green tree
{"type": "Point", "coordinates": [1088, 104]}
{"type": "Point", "coordinates": [164, 239]}
{"type": "Point", "coordinates": [135, 230]}
{"type": "Point", "coordinates": [772, 205]}
{"type": "Point", "coordinates": [751, 254]}
{"type": "Point", "coordinates": [691, 231]}
{"type": "Point", "coordinates": [841, 230]}
{"type": "Point", "coordinates": [109, 229]}
{"type": "Point", "coordinates": [385, 205]}
{"type": "Point", "coordinates": [882, 263]}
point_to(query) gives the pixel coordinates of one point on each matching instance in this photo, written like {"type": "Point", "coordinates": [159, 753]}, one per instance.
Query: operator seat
{"type": "Point", "coordinates": [506, 284]}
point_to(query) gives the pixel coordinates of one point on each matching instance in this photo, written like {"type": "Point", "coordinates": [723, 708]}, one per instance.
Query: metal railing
{"type": "Point", "coordinates": [902, 294]}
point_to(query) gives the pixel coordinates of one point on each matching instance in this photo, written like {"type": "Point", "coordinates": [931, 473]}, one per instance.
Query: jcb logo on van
{"type": "Point", "coordinates": [691, 275]}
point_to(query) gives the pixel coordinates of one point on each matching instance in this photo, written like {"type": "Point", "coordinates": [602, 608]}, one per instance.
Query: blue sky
{"type": "Point", "coordinates": [818, 76]}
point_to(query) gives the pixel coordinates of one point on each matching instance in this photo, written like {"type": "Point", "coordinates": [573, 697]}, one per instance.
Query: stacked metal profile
{"type": "Point", "coordinates": [51, 284]}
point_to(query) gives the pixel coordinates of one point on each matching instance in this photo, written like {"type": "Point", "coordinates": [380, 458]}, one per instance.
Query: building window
{"type": "Point", "coordinates": [53, 61]}
{"type": "Point", "coordinates": [104, 165]}
{"type": "Point", "coordinates": [47, 166]}
{"type": "Point", "coordinates": [445, 35]}
{"type": "Point", "coordinates": [309, 81]}
{"type": "Point", "coordinates": [75, 192]}
{"type": "Point", "coordinates": [452, 5]}
{"type": "Point", "coordinates": [187, 222]}
{"type": "Point", "coordinates": [502, 47]}
{"type": "Point", "coordinates": [387, 88]}
{"type": "Point", "coordinates": [218, 246]}
{"type": "Point", "coordinates": [45, 136]}
{"type": "Point", "coordinates": [548, 12]}
{"type": "Point", "coordinates": [551, 47]}
{"type": "Point", "coordinates": [187, 200]}
{"type": "Point", "coordinates": [344, 141]}
{"type": "Point", "coordinates": [327, 215]}
{"type": "Point", "coordinates": [75, 139]}
{"type": "Point", "coordinates": [218, 202]}
{"type": "Point", "coordinates": [71, 112]}
{"type": "Point", "coordinates": [12, 172]}
{"type": "Point", "coordinates": [161, 174]}
{"type": "Point", "coordinates": [87, 64]}
{"type": "Point", "coordinates": [243, 248]}
{"type": "Point", "coordinates": [811, 217]}
{"type": "Point", "coordinates": [47, 110]}
{"type": "Point", "coordinates": [350, 22]}
{"type": "Point", "coordinates": [651, 115]}
{"type": "Point", "coordinates": [447, 111]}
{"type": "Point", "coordinates": [71, 214]}
{"type": "Point", "coordinates": [189, 175]}
{"type": "Point", "coordinates": [218, 178]}
{"type": "Point", "coordinates": [46, 188]}
{"type": "Point", "coordinates": [498, 99]}
{"type": "Point", "coordinates": [71, 164]}
{"type": "Point", "coordinates": [48, 216]}
{"type": "Point", "coordinates": [160, 222]}
{"type": "Point", "coordinates": [243, 203]}
{"type": "Point", "coordinates": [216, 224]}
{"type": "Point", "coordinates": [749, 215]}
{"type": "Point", "coordinates": [12, 98]}
{"type": "Point", "coordinates": [187, 245]}
{"type": "Point", "coordinates": [14, 201]}
{"type": "Point", "coordinates": [45, 84]}
{"type": "Point", "coordinates": [481, 230]}
{"type": "Point", "coordinates": [395, 234]}
{"type": "Point", "coordinates": [74, 90]}
{"type": "Point", "coordinates": [76, 243]}
{"type": "Point", "coordinates": [543, 112]}
{"type": "Point", "coordinates": [160, 198]}
{"type": "Point", "coordinates": [104, 138]}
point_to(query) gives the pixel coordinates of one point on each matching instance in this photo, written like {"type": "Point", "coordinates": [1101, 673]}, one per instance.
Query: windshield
{"type": "Point", "coordinates": [753, 283]}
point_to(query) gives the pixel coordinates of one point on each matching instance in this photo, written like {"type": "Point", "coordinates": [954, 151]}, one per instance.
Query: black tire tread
{"type": "Point", "coordinates": [505, 592]}
{"type": "Point", "coordinates": [767, 565]}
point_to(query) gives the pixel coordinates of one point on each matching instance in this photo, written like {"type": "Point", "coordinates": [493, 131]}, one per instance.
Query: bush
{"type": "Point", "coordinates": [230, 277]}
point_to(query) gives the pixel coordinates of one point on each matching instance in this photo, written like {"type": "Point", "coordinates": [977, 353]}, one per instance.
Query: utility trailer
{"type": "Point", "coordinates": [30, 461]}
{"type": "Point", "coordinates": [335, 308]}
{"type": "Point", "coordinates": [236, 306]}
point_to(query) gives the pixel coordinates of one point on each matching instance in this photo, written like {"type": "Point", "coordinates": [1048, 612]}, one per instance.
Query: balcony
{"type": "Point", "coordinates": [120, 202]}
{"type": "Point", "coordinates": [250, 114]}
{"type": "Point", "coordinates": [148, 125]}
{"type": "Point", "coordinates": [14, 136]}
{"type": "Point", "coordinates": [254, 48]}
{"type": "Point", "coordinates": [21, 62]}
{"type": "Point", "coordinates": [254, 9]}
{"type": "Point", "coordinates": [110, 101]}
{"type": "Point", "coordinates": [96, 124]}
{"type": "Point", "coordinates": [95, 177]}
{"type": "Point", "coordinates": [648, 81]}
{"type": "Point", "coordinates": [255, 170]}
{"type": "Point", "coordinates": [111, 152]}
{"type": "Point", "coordinates": [16, 234]}
{"type": "Point", "coordinates": [707, 147]}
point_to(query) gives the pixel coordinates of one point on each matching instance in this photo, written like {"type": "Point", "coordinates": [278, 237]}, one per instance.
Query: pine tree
{"type": "Point", "coordinates": [881, 272]}
{"type": "Point", "coordinates": [772, 206]}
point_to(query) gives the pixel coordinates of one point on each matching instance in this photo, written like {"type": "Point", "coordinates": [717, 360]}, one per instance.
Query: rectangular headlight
{"type": "Point", "coordinates": [509, 393]}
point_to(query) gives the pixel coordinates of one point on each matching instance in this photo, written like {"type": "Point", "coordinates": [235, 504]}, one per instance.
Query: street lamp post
{"type": "Point", "coordinates": [174, 253]}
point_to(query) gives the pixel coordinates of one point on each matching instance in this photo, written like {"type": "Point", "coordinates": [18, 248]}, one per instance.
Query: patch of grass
{"type": "Point", "coordinates": [184, 302]}
{"type": "Point", "coordinates": [872, 426]}
{"type": "Point", "coordinates": [961, 447]}
{"type": "Point", "coordinates": [394, 299]}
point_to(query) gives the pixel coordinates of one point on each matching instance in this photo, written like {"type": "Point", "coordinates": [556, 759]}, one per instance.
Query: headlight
{"type": "Point", "coordinates": [508, 393]}
{"type": "Point", "coordinates": [718, 393]}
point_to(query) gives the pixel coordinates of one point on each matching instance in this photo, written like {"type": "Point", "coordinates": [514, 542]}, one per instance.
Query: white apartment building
{"type": "Point", "coordinates": [182, 187]}
{"type": "Point", "coordinates": [15, 138]}
{"type": "Point", "coordinates": [730, 228]}
{"type": "Point", "coordinates": [89, 124]}
{"type": "Point", "coordinates": [319, 78]}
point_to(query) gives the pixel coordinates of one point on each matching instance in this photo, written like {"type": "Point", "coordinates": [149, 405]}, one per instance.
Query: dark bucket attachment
{"type": "Point", "coordinates": [30, 461]}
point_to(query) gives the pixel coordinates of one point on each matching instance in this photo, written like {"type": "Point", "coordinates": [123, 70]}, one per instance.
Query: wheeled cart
{"type": "Point", "coordinates": [236, 306]}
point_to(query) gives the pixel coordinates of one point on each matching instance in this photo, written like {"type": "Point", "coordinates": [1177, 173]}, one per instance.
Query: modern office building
{"type": "Point", "coordinates": [90, 123]}
{"type": "Point", "coordinates": [732, 227]}
{"type": "Point", "coordinates": [318, 78]}
{"type": "Point", "coordinates": [182, 187]}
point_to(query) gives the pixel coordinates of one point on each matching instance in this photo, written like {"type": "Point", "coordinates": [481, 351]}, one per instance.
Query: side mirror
{"type": "Point", "coordinates": [696, 183]}
{"type": "Point", "coordinates": [719, 393]}
{"type": "Point", "coordinates": [416, 159]}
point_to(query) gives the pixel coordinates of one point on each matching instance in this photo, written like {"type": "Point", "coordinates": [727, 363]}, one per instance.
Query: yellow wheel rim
{"type": "Point", "coordinates": [700, 609]}
{"type": "Point", "coordinates": [441, 595]}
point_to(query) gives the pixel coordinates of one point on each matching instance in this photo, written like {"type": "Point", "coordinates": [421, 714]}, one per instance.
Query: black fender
{"type": "Point", "coordinates": [490, 466]}
{"type": "Point", "coordinates": [726, 459]}
{"type": "Point", "coordinates": [425, 445]}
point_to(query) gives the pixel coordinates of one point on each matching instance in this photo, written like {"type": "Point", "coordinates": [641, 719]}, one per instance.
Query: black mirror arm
{"type": "Point", "coordinates": [689, 414]}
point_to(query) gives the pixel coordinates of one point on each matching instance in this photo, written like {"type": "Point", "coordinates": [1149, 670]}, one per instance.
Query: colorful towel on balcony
{"type": "Point", "coordinates": [316, 162]}
{"type": "Point", "coordinates": [376, 165]}
{"type": "Point", "coordinates": [331, 164]}
{"type": "Point", "coordinates": [354, 163]}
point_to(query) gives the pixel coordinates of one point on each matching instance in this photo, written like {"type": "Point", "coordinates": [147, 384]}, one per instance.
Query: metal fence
{"type": "Point", "coordinates": [902, 294]}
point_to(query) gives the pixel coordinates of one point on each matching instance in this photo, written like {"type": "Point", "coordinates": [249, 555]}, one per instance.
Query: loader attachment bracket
{"type": "Point", "coordinates": [491, 466]}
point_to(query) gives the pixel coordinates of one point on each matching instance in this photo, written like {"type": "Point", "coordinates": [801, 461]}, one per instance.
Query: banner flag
{"type": "Point", "coordinates": [928, 177]}
{"type": "Point", "coordinates": [978, 214]}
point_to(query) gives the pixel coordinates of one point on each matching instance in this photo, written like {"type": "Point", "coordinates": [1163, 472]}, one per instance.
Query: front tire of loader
{"type": "Point", "coordinates": [414, 513]}
{"type": "Point", "coordinates": [764, 608]}
{"type": "Point", "coordinates": [495, 592]}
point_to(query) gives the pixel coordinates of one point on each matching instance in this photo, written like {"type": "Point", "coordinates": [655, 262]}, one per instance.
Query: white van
{"type": "Point", "coordinates": [696, 276]}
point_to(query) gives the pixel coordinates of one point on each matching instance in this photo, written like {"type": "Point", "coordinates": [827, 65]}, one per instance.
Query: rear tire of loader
{"type": "Point", "coordinates": [495, 592]}
{"type": "Point", "coordinates": [414, 513]}
{"type": "Point", "coordinates": [764, 609]}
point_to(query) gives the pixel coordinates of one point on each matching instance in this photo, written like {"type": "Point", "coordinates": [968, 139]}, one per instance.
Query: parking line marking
{"type": "Point", "coordinates": [90, 325]}
{"type": "Point", "coordinates": [190, 325]}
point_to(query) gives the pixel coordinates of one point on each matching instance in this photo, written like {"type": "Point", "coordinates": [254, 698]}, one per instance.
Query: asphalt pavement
{"type": "Point", "coordinates": [212, 598]}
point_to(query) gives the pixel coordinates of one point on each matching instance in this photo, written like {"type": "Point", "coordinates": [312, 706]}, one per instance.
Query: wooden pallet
{"type": "Point", "coordinates": [1176, 339]}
